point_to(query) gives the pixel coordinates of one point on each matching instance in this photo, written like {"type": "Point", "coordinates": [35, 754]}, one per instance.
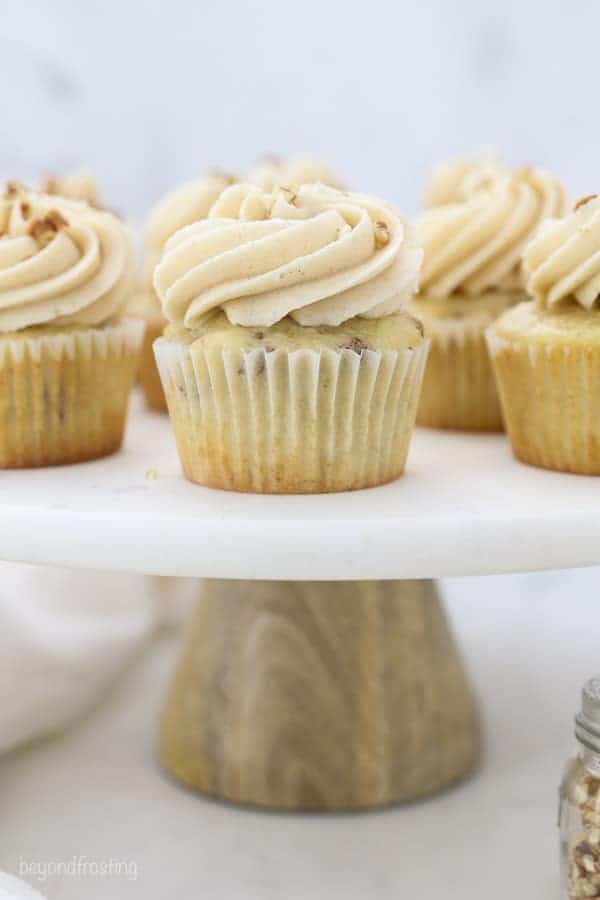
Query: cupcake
{"type": "Point", "coordinates": [473, 240]}
{"type": "Point", "coordinates": [289, 365]}
{"type": "Point", "coordinates": [188, 203]}
{"type": "Point", "coordinates": [271, 171]}
{"type": "Point", "coordinates": [67, 359]}
{"type": "Point", "coordinates": [546, 352]}
{"type": "Point", "coordinates": [79, 185]}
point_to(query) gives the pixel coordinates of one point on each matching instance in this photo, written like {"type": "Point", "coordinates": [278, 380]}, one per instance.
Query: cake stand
{"type": "Point", "coordinates": [319, 671]}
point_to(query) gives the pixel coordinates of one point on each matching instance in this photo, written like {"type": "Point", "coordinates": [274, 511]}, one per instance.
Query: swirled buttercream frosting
{"type": "Point", "coordinates": [473, 243]}
{"type": "Point", "coordinates": [61, 262]}
{"type": "Point", "coordinates": [313, 253]}
{"type": "Point", "coordinates": [563, 261]}
{"type": "Point", "coordinates": [270, 172]}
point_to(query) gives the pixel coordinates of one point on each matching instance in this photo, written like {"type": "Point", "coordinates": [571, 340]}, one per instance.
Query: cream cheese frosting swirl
{"type": "Point", "coordinates": [314, 253]}
{"type": "Point", "coordinates": [270, 172]}
{"type": "Point", "coordinates": [563, 261]}
{"type": "Point", "coordinates": [474, 244]}
{"type": "Point", "coordinates": [61, 262]}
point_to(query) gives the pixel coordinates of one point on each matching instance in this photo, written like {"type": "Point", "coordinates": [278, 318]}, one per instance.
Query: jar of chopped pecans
{"type": "Point", "coordinates": [580, 803]}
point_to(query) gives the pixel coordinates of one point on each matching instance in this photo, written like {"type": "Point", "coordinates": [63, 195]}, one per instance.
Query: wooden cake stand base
{"type": "Point", "coordinates": [319, 696]}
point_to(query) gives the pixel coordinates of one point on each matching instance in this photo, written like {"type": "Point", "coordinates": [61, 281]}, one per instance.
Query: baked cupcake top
{"type": "Point", "coordinates": [80, 185]}
{"type": "Point", "coordinates": [272, 171]}
{"type": "Point", "coordinates": [61, 262]}
{"type": "Point", "coordinates": [314, 253]}
{"type": "Point", "coordinates": [473, 244]}
{"type": "Point", "coordinates": [562, 263]}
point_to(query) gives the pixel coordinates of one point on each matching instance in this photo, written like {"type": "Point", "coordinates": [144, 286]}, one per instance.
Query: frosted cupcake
{"type": "Point", "coordinates": [188, 203]}
{"type": "Point", "coordinates": [473, 241]}
{"type": "Point", "coordinates": [289, 365]}
{"type": "Point", "coordinates": [546, 352]}
{"type": "Point", "coordinates": [67, 359]}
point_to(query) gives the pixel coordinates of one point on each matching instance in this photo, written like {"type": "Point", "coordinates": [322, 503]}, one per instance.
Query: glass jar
{"type": "Point", "coordinates": [580, 803]}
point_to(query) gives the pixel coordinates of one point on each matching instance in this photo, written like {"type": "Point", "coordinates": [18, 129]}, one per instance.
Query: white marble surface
{"type": "Point", "coordinates": [97, 791]}
{"type": "Point", "coordinates": [463, 507]}
{"type": "Point", "coordinates": [150, 93]}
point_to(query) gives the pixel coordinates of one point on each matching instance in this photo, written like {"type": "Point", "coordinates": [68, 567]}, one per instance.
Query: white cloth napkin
{"type": "Point", "coordinates": [12, 888]}
{"type": "Point", "coordinates": [66, 634]}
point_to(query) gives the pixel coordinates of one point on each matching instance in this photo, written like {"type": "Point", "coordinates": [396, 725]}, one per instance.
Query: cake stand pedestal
{"type": "Point", "coordinates": [319, 695]}
{"type": "Point", "coordinates": [314, 675]}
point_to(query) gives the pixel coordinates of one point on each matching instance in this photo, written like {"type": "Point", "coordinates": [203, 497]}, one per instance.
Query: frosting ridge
{"type": "Point", "coordinates": [317, 254]}
{"type": "Point", "coordinates": [474, 244]}
{"type": "Point", "coordinates": [563, 260]}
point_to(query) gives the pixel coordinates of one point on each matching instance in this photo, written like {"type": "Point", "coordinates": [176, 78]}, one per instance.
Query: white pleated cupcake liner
{"type": "Point", "coordinates": [291, 422]}
{"type": "Point", "coordinates": [64, 396]}
{"type": "Point", "coordinates": [459, 389]}
{"type": "Point", "coordinates": [447, 331]}
{"type": "Point", "coordinates": [124, 336]}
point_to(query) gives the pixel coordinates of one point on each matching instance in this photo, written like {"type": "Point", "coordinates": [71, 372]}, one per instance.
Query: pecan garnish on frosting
{"type": "Point", "coordinates": [382, 234]}
{"type": "Point", "coordinates": [290, 193]}
{"type": "Point", "coordinates": [13, 189]}
{"type": "Point", "coordinates": [45, 227]}
{"type": "Point", "coordinates": [583, 200]}
{"type": "Point", "coordinates": [50, 185]}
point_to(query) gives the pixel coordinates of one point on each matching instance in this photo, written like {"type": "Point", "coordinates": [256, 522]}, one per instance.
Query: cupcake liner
{"type": "Point", "coordinates": [63, 395]}
{"type": "Point", "coordinates": [298, 422]}
{"type": "Point", "coordinates": [459, 388]}
{"type": "Point", "coordinates": [148, 376]}
{"type": "Point", "coordinates": [550, 394]}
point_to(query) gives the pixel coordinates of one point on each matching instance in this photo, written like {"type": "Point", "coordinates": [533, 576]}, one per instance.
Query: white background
{"type": "Point", "coordinates": [150, 93]}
